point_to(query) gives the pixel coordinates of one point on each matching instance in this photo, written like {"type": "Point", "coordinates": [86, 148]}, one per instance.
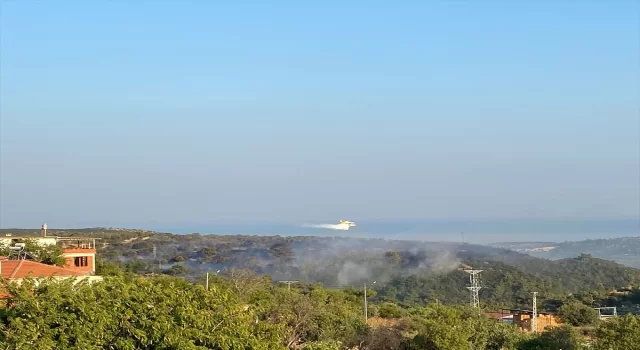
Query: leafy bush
{"type": "Point", "coordinates": [391, 310]}
{"type": "Point", "coordinates": [578, 314]}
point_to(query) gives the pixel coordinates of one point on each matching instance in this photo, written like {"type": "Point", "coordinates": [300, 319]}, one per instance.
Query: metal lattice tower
{"type": "Point", "coordinates": [534, 317]}
{"type": "Point", "coordinates": [475, 287]}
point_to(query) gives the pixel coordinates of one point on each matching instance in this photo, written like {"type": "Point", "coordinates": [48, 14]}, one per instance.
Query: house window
{"type": "Point", "coordinates": [81, 261]}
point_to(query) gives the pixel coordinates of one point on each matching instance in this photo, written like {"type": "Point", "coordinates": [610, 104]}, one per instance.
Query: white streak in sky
{"type": "Point", "coordinates": [339, 227]}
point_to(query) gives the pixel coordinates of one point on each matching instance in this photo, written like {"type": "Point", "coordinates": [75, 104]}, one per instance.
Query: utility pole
{"type": "Point", "coordinates": [365, 303]}
{"type": "Point", "coordinates": [366, 316]}
{"type": "Point", "coordinates": [475, 287]}
{"type": "Point", "coordinates": [289, 283]}
{"type": "Point", "coordinates": [534, 317]}
{"type": "Point", "coordinates": [155, 256]}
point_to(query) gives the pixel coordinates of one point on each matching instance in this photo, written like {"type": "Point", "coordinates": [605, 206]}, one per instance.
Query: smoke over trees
{"type": "Point", "coordinates": [408, 272]}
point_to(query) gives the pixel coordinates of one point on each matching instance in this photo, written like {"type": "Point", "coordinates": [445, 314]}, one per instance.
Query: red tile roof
{"type": "Point", "coordinates": [12, 269]}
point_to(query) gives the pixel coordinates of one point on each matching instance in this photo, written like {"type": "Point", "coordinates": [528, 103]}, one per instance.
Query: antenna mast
{"type": "Point", "coordinates": [475, 287]}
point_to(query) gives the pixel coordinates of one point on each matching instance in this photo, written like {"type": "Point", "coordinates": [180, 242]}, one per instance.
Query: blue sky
{"type": "Point", "coordinates": [175, 112]}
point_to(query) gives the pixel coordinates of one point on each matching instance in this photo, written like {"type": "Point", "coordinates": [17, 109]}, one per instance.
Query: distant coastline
{"type": "Point", "coordinates": [470, 231]}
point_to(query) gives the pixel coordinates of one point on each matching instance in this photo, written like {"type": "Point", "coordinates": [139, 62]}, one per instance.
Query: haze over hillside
{"type": "Point", "coordinates": [402, 268]}
{"type": "Point", "coordinates": [469, 230]}
{"type": "Point", "coordinates": [624, 250]}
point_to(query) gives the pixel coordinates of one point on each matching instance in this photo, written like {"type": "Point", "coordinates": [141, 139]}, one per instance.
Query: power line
{"type": "Point", "coordinates": [289, 283]}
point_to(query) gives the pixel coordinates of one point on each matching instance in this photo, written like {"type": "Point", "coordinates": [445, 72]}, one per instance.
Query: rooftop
{"type": "Point", "coordinates": [15, 269]}
{"type": "Point", "coordinates": [528, 312]}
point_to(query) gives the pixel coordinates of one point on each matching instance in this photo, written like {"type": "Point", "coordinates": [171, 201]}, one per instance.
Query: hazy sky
{"type": "Point", "coordinates": [189, 111]}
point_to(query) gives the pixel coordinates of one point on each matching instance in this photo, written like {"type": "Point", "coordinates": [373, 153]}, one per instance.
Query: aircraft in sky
{"type": "Point", "coordinates": [347, 223]}
{"type": "Point", "coordinates": [343, 225]}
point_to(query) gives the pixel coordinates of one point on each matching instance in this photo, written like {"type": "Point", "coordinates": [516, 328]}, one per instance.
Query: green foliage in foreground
{"type": "Point", "coordinates": [563, 337]}
{"type": "Point", "coordinates": [132, 314]}
{"type": "Point", "coordinates": [245, 311]}
{"type": "Point", "coordinates": [619, 333]}
{"type": "Point", "coordinates": [442, 327]}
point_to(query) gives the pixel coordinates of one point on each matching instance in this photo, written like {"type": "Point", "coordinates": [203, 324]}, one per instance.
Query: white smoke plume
{"type": "Point", "coordinates": [351, 272]}
{"type": "Point", "coordinates": [342, 261]}
{"type": "Point", "coordinates": [442, 261]}
{"type": "Point", "coordinates": [339, 227]}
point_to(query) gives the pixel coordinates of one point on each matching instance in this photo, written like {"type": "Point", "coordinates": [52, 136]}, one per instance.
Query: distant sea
{"type": "Point", "coordinates": [471, 231]}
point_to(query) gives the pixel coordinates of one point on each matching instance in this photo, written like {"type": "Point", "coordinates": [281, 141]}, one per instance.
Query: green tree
{"type": "Point", "coordinates": [564, 337]}
{"type": "Point", "coordinates": [139, 313]}
{"type": "Point", "coordinates": [459, 328]}
{"type": "Point", "coordinates": [578, 314]}
{"type": "Point", "coordinates": [618, 333]}
{"type": "Point", "coordinates": [49, 254]}
{"type": "Point", "coordinates": [391, 310]}
{"type": "Point", "coordinates": [439, 328]}
{"type": "Point", "coordinates": [106, 268]}
{"type": "Point", "coordinates": [323, 345]}
{"type": "Point", "coordinates": [178, 270]}
{"type": "Point", "coordinates": [4, 250]}
{"type": "Point", "coordinates": [503, 336]}
{"type": "Point", "coordinates": [312, 316]}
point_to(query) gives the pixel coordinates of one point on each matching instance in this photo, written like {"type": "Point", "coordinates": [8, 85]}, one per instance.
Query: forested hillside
{"type": "Point", "coordinates": [408, 272]}
{"type": "Point", "coordinates": [411, 273]}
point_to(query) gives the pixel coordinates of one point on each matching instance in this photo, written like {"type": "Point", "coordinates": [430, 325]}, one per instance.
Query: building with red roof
{"type": "Point", "coordinates": [19, 269]}
{"type": "Point", "coordinates": [79, 254]}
